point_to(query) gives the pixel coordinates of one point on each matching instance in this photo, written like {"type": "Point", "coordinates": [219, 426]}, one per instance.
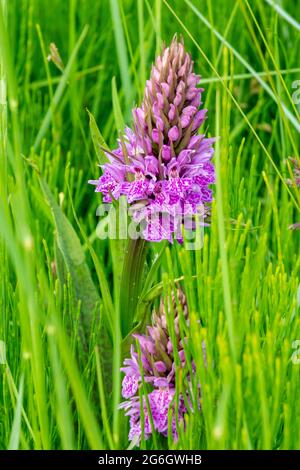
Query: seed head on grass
{"type": "Point", "coordinates": [163, 165]}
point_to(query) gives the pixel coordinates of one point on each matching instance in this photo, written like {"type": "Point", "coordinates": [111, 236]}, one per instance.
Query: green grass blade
{"type": "Point", "coordinates": [16, 427]}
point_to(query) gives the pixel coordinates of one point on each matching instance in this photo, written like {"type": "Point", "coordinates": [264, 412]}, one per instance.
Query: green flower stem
{"type": "Point", "coordinates": [131, 282]}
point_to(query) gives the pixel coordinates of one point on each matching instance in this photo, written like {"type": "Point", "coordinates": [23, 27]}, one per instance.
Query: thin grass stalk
{"type": "Point", "coordinates": [59, 91]}
{"type": "Point", "coordinates": [121, 52]}
{"type": "Point", "coordinates": [222, 239]}
{"type": "Point", "coordinates": [21, 246]}
{"type": "Point", "coordinates": [281, 12]}
{"type": "Point", "coordinates": [131, 282]}
{"type": "Point", "coordinates": [266, 87]}
{"type": "Point", "coordinates": [267, 153]}
{"type": "Point", "coordinates": [3, 175]}
{"type": "Point", "coordinates": [3, 115]}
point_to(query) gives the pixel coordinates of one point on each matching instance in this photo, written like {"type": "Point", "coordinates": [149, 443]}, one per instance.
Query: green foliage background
{"type": "Point", "coordinates": [59, 300]}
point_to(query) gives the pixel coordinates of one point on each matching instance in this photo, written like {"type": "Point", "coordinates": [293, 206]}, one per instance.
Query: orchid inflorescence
{"type": "Point", "coordinates": [163, 165]}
